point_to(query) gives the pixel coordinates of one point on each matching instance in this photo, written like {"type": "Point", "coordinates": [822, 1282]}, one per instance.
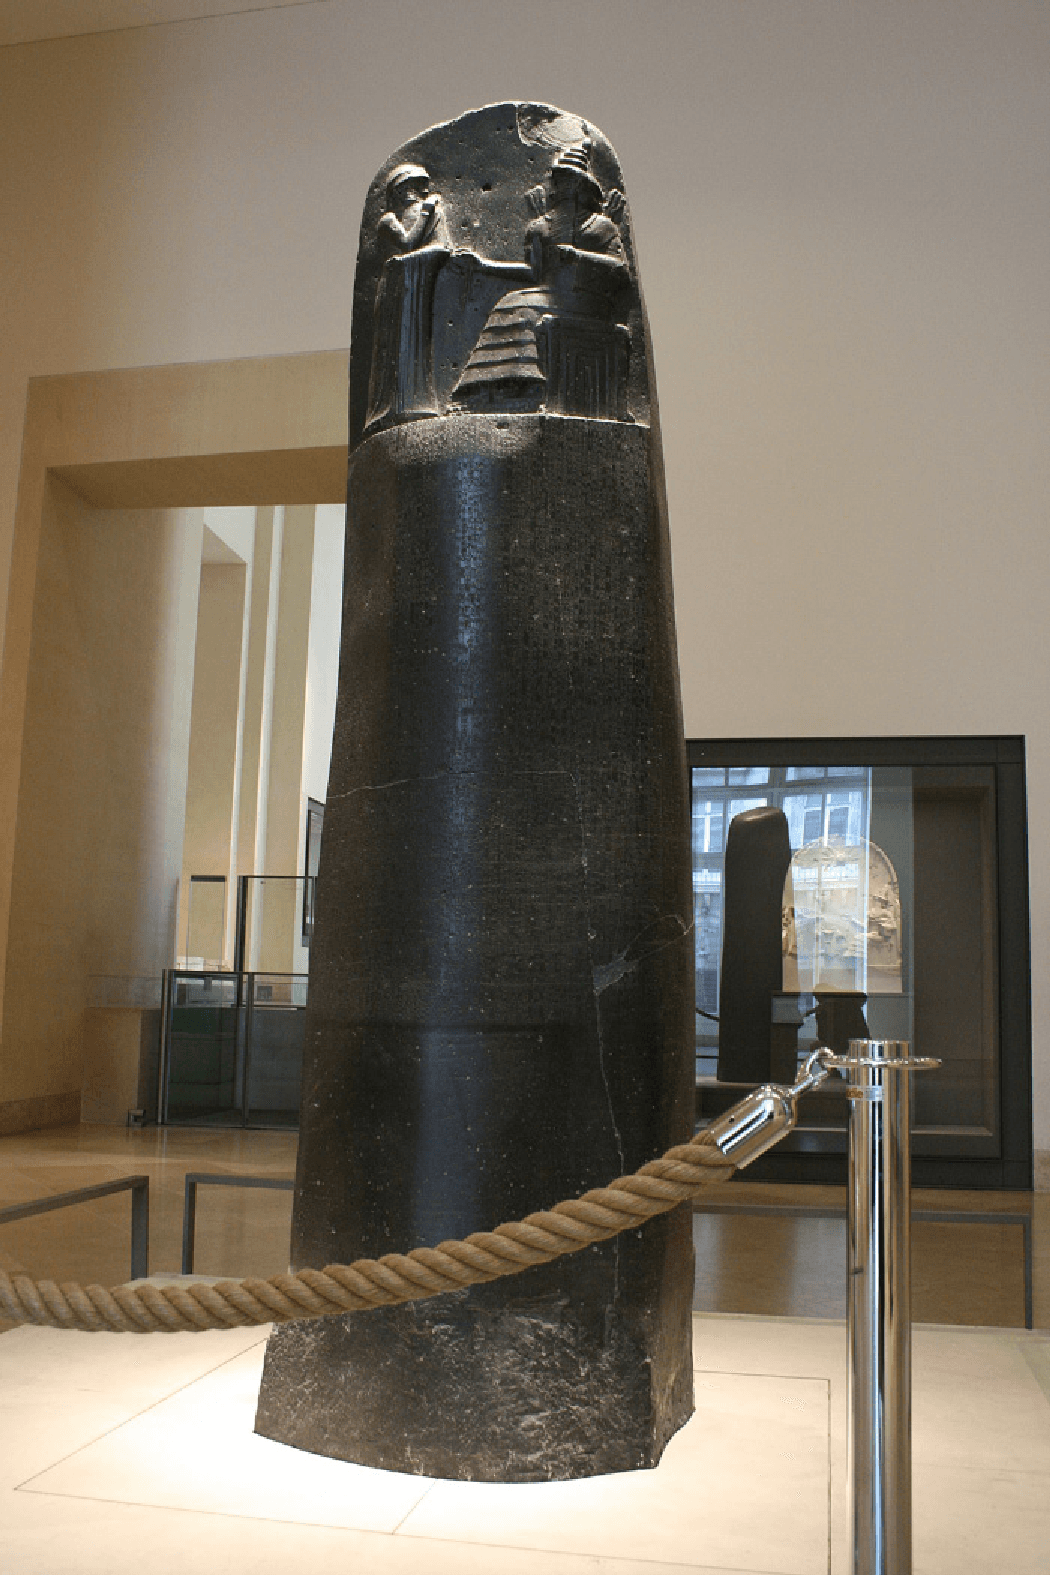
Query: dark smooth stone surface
{"type": "Point", "coordinates": [758, 856]}
{"type": "Point", "coordinates": [840, 1018]}
{"type": "Point", "coordinates": [500, 1010]}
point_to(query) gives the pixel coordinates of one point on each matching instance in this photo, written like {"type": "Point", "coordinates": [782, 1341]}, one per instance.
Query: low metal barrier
{"type": "Point", "coordinates": [699, 1206]}
{"type": "Point", "coordinates": [138, 1186]}
{"type": "Point", "coordinates": [930, 1216]}
{"type": "Point", "coordinates": [195, 1179]}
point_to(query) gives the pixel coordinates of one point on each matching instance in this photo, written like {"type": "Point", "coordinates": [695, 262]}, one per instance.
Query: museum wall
{"type": "Point", "coordinates": [102, 795]}
{"type": "Point", "coordinates": [215, 772]}
{"type": "Point", "coordinates": [842, 221]}
{"type": "Point", "coordinates": [216, 718]}
{"type": "Point", "coordinates": [326, 611]}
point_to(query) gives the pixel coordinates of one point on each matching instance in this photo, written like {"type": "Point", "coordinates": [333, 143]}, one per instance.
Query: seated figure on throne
{"type": "Point", "coordinates": [574, 214]}
{"type": "Point", "coordinates": [558, 344]}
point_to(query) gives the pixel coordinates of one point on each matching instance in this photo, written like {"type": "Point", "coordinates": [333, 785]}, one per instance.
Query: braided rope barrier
{"type": "Point", "coordinates": [568, 1227]}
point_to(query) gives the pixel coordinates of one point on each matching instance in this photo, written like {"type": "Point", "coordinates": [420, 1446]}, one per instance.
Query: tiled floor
{"type": "Point", "coordinates": [123, 1452]}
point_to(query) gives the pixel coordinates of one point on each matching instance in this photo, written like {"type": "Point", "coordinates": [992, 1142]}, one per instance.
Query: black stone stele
{"type": "Point", "coordinates": [758, 857]}
{"type": "Point", "coordinates": [500, 1010]}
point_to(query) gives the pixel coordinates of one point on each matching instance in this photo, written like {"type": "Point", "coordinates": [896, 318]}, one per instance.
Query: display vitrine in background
{"type": "Point", "coordinates": [868, 888]}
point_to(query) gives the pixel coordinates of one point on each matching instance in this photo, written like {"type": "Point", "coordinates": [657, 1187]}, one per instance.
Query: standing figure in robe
{"type": "Point", "coordinates": [414, 233]}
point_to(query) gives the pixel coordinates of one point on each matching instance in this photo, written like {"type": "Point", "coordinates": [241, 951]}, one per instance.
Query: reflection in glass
{"type": "Point", "coordinates": [757, 863]}
{"type": "Point", "coordinates": [708, 818]}
{"type": "Point", "coordinates": [842, 919]}
{"type": "Point", "coordinates": [740, 806]}
{"type": "Point", "coordinates": [812, 813]}
{"type": "Point", "coordinates": [840, 966]}
{"type": "Point", "coordinates": [233, 1047]}
{"type": "Point", "coordinates": [271, 923]}
{"type": "Point", "coordinates": [903, 915]}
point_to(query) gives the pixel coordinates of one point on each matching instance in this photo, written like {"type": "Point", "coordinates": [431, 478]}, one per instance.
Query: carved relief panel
{"type": "Point", "coordinates": [499, 281]}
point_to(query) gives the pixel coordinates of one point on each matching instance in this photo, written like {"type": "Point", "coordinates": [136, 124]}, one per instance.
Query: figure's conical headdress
{"type": "Point", "coordinates": [577, 159]}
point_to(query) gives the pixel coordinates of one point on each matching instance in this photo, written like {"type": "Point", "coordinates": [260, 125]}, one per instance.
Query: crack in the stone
{"type": "Point", "coordinates": [441, 776]}
{"type": "Point", "coordinates": [381, 787]}
{"type": "Point", "coordinates": [606, 974]}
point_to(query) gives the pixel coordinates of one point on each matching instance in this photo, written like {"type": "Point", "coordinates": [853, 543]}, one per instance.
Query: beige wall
{"type": "Point", "coordinates": [842, 218]}
{"type": "Point", "coordinates": [260, 726]}
{"type": "Point", "coordinates": [326, 614]}
{"type": "Point", "coordinates": [276, 918]}
{"type": "Point", "coordinates": [103, 783]}
{"type": "Point", "coordinates": [208, 846]}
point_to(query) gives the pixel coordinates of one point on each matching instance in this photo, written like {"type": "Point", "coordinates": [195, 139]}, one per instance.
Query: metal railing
{"type": "Point", "coordinates": [878, 1310]}
{"type": "Point", "coordinates": [195, 1179]}
{"type": "Point", "coordinates": [138, 1186]}
{"type": "Point", "coordinates": [928, 1216]}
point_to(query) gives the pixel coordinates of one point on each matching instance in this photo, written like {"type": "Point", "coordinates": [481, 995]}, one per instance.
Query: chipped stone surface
{"type": "Point", "coordinates": [500, 1010]}
{"type": "Point", "coordinates": [538, 1378]}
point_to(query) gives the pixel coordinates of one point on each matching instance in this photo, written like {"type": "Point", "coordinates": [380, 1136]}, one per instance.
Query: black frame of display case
{"type": "Point", "coordinates": [819, 1156]}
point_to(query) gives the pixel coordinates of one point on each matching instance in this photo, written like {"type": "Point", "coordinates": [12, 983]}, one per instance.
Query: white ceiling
{"type": "Point", "coordinates": [23, 21]}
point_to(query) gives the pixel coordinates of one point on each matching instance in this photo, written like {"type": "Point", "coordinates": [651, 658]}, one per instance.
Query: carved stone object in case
{"type": "Point", "coordinates": [500, 1008]}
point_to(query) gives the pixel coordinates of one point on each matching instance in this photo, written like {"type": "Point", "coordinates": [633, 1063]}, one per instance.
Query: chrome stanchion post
{"type": "Point", "coordinates": [879, 1311]}
{"type": "Point", "coordinates": [879, 1314]}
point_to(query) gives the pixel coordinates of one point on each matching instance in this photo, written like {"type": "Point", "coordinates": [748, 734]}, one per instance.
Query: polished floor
{"type": "Point", "coordinates": [123, 1452]}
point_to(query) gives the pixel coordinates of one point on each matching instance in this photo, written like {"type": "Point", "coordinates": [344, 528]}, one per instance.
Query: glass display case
{"type": "Point", "coordinates": [232, 1049]}
{"type": "Point", "coordinates": [870, 888]}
